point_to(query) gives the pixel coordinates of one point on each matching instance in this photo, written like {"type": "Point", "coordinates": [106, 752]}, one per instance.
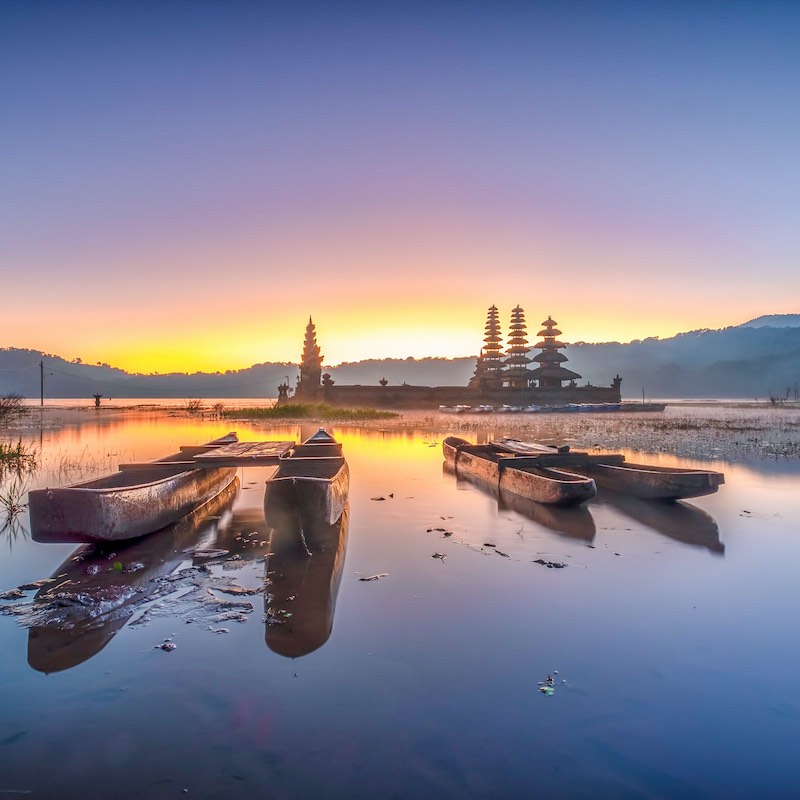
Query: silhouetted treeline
{"type": "Point", "coordinates": [741, 361]}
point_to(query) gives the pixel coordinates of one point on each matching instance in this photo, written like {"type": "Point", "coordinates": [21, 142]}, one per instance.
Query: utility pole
{"type": "Point", "coordinates": [41, 383]}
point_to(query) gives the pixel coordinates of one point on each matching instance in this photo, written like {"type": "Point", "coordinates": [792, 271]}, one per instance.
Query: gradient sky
{"type": "Point", "coordinates": [183, 183]}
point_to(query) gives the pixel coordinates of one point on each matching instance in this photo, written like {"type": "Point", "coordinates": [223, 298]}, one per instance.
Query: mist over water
{"type": "Point", "coordinates": [668, 629]}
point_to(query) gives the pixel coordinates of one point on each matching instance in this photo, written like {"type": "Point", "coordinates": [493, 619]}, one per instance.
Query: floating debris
{"type": "Point", "coordinates": [501, 553]}
{"type": "Point", "coordinates": [551, 564]}
{"type": "Point", "coordinates": [237, 590]}
{"type": "Point", "coordinates": [377, 498]}
{"type": "Point", "coordinates": [206, 552]}
{"type": "Point", "coordinates": [442, 556]}
{"type": "Point", "coordinates": [12, 594]}
{"type": "Point", "coordinates": [167, 646]}
{"type": "Point", "coordinates": [376, 577]}
{"type": "Point", "coordinates": [489, 544]}
{"type": "Point", "coordinates": [28, 587]}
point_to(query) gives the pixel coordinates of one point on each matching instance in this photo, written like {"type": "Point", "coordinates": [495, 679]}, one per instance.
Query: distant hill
{"type": "Point", "coordinates": [20, 373]}
{"type": "Point", "coordinates": [773, 321]}
{"type": "Point", "coordinates": [750, 360]}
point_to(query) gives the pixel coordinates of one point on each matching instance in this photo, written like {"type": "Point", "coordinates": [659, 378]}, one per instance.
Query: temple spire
{"type": "Point", "coordinates": [490, 361]}
{"type": "Point", "coordinates": [516, 374]}
{"type": "Point", "coordinates": [550, 373]}
{"type": "Point", "coordinates": [310, 363]}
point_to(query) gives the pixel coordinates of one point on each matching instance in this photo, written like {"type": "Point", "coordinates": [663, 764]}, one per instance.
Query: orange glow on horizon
{"type": "Point", "coordinates": [347, 340]}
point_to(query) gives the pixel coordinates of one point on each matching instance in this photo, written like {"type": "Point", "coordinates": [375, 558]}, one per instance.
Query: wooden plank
{"type": "Point", "coordinates": [246, 452]}
{"type": "Point", "coordinates": [528, 448]}
{"type": "Point", "coordinates": [575, 460]}
{"type": "Point", "coordinates": [237, 454]}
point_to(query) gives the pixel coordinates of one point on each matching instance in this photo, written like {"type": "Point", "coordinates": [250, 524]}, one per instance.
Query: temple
{"type": "Point", "coordinates": [516, 374]}
{"type": "Point", "coordinates": [308, 383]}
{"type": "Point", "coordinates": [500, 378]}
{"type": "Point", "coordinates": [550, 374]}
{"type": "Point", "coordinates": [490, 361]}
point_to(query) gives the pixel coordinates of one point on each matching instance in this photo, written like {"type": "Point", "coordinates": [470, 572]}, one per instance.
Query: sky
{"type": "Point", "coordinates": [183, 183]}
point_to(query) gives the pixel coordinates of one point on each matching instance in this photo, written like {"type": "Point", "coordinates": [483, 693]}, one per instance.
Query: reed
{"type": "Point", "coordinates": [11, 407]}
{"type": "Point", "coordinates": [12, 498]}
{"type": "Point", "coordinates": [18, 457]}
{"type": "Point", "coordinates": [318, 411]}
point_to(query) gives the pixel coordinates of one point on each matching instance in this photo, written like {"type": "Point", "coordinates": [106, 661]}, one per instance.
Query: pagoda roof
{"type": "Point", "coordinates": [550, 358]}
{"type": "Point", "coordinates": [554, 343]}
{"type": "Point", "coordinates": [559, 373]}
{"type": "Point", "coordinates": [549, 332]}
{"type": "Point", "coordinates": [549, 323]}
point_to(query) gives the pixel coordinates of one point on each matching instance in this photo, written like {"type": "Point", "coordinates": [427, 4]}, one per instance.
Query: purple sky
{"type": "Point", "coordinates": [182, 183]}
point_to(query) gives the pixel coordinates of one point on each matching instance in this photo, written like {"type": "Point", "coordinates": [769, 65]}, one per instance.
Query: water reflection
{"type": "Point", "coordinates": [574, 522]}
{"type": "Point", "coordinates": [304, 570]}
{"type": "Point", "coordinates": [97, 589]}
{"type": "Point", "coordinates": [680, 521]}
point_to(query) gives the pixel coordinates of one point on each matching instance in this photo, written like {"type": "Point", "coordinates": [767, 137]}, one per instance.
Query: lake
{"type": "Point", "coordinates": [670, 637]}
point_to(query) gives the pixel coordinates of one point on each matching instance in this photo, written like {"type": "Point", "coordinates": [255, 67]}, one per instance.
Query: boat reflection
{"type": "Point", "coordinates": [677, 520]}
{"type": "Point", "coordinates": [574, 522]}
{"type": "Point", "coordinates": [98, 588]}
{"type": "Point", "coordinates": [304, 570]}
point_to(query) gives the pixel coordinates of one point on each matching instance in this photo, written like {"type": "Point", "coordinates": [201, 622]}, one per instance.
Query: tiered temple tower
{"type": "Point", "coordinates": [550, 373]}
{"type": "Point", "coordinates": [310, 365]}
{"type": "Point", "coordinates": [490, 362]}
{"type": "Point", "coordinates": [516, 374]}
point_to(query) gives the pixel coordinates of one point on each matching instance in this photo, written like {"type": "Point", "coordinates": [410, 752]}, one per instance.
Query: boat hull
{"type": "Point", "coordinates": [128, 504]}
{"type": "Point", "coordinates": [518, 475]}
{"type": "Point", "coordinates": [655, 483]}
{"type": "Point", "coordinates": [313, 477]}
{"type": "Point", "coordinates": [116, 511]}
{"type": "Point", "coordinates": [326, 496]}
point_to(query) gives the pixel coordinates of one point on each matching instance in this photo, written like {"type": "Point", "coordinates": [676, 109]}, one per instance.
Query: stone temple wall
{"type": "Point", "coordinates": [405, 396]}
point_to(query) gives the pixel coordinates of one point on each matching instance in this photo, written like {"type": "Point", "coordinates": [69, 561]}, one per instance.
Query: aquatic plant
{"type": "Point", "coordinates": [194, 406]}
{"type": "Point", "coordinates": [11, 407]}
{"type": "Point", "coordinates": [18, 457]}
{"type": "Point", "coordinates": [308, 411]}
{"type": "Point", "coordinates": [12, 499]}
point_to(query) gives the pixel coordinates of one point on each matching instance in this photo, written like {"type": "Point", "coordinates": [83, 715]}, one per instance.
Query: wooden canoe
{"type": "Point", "coordinates": [654, 482]}
{"type": "Point", "coordinates": [313, 475]}
{"type": "Point", "coordinates": [128, 504]}
{"type": "Point", "coordinates": [611, 471]}
{"type": "Point", "coordinates": [521, 475]}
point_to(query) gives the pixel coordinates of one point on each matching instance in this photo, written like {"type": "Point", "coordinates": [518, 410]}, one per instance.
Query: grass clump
{"type": "Point", "coordinates": [11, 407]}
{"type": "Point", "coordinates": [309, 411]}
{"type": "Point", "coordinates": [17, 457]}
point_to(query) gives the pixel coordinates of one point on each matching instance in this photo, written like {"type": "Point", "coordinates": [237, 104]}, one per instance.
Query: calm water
{"type": "Point", "coordinates": [674, 633]}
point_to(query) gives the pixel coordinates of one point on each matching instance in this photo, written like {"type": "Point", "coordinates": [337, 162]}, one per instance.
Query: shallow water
{"type": "Point", "coordinates": [672, 631]}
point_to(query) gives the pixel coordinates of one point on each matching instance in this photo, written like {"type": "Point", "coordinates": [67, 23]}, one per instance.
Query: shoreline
{"type": "Point", "coordinates": [707, 430]}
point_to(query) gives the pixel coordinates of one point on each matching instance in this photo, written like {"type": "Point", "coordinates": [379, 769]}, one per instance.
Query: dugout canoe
{"type": "Point", "coordinates": [313, 475]}
{"type": "Point", "coordinates": [520, 475]}
{"type": "Point", "coordinates": [649, 482]}
{"type": "Point", "coordinates": [612, 471]}
{"type": "Point", "coordinates": [128, 504]}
